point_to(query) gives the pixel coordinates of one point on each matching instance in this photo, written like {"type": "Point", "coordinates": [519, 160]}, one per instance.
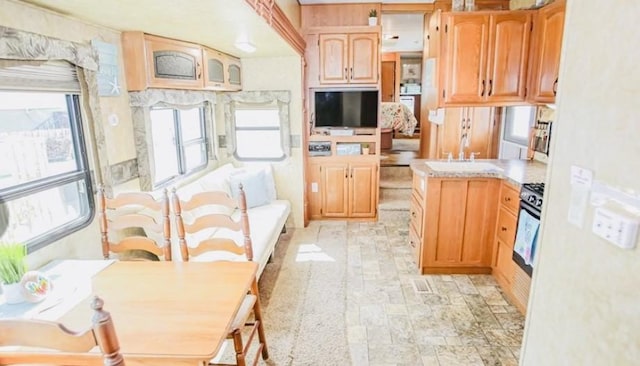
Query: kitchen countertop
{"type": "Point", "coordinates": [515, 171]}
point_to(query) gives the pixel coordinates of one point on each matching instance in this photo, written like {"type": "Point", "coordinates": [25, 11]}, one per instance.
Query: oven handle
{"type": "Point", "coordinates": [525, 206]}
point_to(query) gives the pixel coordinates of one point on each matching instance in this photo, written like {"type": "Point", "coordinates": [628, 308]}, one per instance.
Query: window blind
{"type": "Point", "coordinates": [39, 75]}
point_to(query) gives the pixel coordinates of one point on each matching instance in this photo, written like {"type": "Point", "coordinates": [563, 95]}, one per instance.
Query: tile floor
{"type": "Point", "coordinates": [453, 320]}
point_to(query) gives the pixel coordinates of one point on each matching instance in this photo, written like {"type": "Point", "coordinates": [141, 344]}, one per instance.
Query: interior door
{"type": "Point", "coordinates": [388, 81]}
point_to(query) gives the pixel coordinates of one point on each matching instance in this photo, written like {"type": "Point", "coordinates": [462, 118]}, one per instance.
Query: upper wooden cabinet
{"type": "Point", "coordinates": [348, 58]}
{"type": "Point", "coordinates": [157, 62]}
{"type": "Point", "coordinates": [221, 72]}
{"type": "Point", "coordinates": [543, 73]}
{"type": "Point", "coordinates": [485, 57]}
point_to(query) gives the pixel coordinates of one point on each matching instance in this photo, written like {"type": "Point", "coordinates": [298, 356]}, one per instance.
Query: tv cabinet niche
{"type": "Point", "coordinates": [343, 175]}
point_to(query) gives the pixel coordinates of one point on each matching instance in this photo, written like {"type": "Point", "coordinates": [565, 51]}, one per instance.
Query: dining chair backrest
{"type": "Point", "coordinates": [134, 211]}
{"type": "Point", "coordinates": [207, 220]}
{"type": "Point", "coordinates": [28, 341]}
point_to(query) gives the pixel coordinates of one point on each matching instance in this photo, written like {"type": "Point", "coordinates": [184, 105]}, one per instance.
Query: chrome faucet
{"type": "Point", "coordinates": [463, 142]}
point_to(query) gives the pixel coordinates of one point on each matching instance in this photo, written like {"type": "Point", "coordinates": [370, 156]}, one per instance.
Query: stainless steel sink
{"type": "Point", "coordinates": [464, 166]}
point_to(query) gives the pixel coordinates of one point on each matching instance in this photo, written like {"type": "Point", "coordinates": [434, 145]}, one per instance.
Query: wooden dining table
{"type": "Point", "coordinates": [167, 313]}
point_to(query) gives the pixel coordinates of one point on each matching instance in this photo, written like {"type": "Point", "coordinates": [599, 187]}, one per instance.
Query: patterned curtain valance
{"type": "Point", "coordinates": [20, 45]}
{"type": "Point", "coordinates": [175, 98]}
{"type": "Point", "coordinates": [260, 96]}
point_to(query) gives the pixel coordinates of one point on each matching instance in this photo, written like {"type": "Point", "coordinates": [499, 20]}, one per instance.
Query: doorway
{"type": "Point", "coordinates": [401, 77]}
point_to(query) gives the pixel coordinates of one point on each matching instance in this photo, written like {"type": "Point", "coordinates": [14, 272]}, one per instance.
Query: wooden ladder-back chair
{"type": "Point", "coordinates": [45, 342]}
{"type": "Point", "coordinates": [214, 220]}
{"type": "Point", "coordinates": [135, 210]}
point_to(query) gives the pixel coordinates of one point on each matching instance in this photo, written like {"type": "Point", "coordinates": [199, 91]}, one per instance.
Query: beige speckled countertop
{"type": "Point", "coordinates": [515, 171]}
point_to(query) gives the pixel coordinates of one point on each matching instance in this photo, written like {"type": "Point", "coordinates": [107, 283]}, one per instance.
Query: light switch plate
{"type": "Point", "coordinates": [617, 228]}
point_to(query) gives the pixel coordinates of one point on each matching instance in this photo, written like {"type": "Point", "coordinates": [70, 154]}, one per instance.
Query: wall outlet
{"type": "Point", "coordinates": [620, 229]}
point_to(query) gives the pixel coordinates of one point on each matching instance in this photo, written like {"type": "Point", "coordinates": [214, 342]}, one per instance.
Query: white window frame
{"type": "Point", "coordinates": [180, 144]}
{"type": "Point", "coordinates": [257, 100]}
{"type": "Point", "coordinates": [507, 135]}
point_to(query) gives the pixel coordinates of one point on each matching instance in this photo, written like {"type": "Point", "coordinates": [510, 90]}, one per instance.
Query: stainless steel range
{"type": "Point", "coordinates": [531, 201]}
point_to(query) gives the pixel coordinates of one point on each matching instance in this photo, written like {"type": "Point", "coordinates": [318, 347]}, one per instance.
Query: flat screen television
{"type": "Point", "coordinates": [346, 108]}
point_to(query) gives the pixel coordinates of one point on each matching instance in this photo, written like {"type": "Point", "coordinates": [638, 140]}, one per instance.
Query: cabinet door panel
{"type": "Point", "coordinates": [548, 32]}
{"type": "Point", "coordinates": [335, 190]}
{"type": "Point", "coordinates": [363, 58]}
{"type": "Point", "coordinates": [479, 128]}
{"type": "Point", "coordinates": [451, 216]}
{"type": "Point", "coordinates": [449, 133]}
{"type": "Point", "coordinates": [504, 263]}
{"type": "Point", "coordinates": [475, 227]}
{"type": "Point", "coordinates": [362, 179]}
{"type": "Point", "coordinates": [508, 54]}
{"type": "Point", "coordinates": [173, 64]}
{"type": "Point", "coordinates": [466, 59]}
{"type": "Point", "coordinates": [333, 58]}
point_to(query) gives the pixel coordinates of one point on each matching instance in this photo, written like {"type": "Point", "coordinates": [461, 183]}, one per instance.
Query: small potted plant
{"type": "Point", "coordinates": [12, 268]}
{"type": "Point", "coordinates": [365, 149]}
{"type": "Point", "coordinates": [373, 17]}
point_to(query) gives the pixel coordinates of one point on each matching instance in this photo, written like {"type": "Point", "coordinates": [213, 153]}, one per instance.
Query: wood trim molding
{"type": "Point", "coordinates": [276, 18]}
{"type": "Point", "coordinates": [404, 8]}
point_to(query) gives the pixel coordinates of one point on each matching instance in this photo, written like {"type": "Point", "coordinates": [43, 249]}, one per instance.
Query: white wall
{"type": "Point", "coordinates": [278, 73]}
{"type": "Point", "coordinates": [585, 301]}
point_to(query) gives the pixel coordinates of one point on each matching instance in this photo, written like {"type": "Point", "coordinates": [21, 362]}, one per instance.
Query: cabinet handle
{"type": "Point", "coordinates": [507, 199]}
{"type": "Point", "coordinates": [482, 94]}
{"type": "Point", "coordinates": [555, 87]}
{"type": "Point", "coordinates": [413, 214]}
{"type": "Point", "coordinates": [503, 228]}
{"type": "Point", "coordinates": [490, 87]}
{"type": "Point", "coordinates": [351, 73]}
{"type": "Point", "coordinates": [346, 72]}
{"type": "Point", "coordinates": [198, 70]}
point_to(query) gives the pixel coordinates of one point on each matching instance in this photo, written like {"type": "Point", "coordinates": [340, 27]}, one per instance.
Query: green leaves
{"type": "Point", "coordinates": [12, 262]}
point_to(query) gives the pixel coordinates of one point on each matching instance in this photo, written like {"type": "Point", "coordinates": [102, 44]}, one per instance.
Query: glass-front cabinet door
{"type": "Point", "coordinates": [174, 64]}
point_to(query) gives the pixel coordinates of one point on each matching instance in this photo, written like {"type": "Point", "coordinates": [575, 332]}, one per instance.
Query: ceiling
{"type": "Point", "coordinates": [407, 27]}
{"type": "Point", "coordinates": [213, 23]}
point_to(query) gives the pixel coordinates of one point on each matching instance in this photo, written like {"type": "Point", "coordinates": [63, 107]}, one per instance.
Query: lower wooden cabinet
{"type": "Point", "coordinates": [458, 225]}
{"type": "Point", "coordinates": [345, 190]}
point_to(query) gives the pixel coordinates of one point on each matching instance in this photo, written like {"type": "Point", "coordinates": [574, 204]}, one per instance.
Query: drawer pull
{"type": "Point", "coordinates": [412, 243]}
{"type": "Point", "coordinates": [413, 214]}
{"type": "Point", "coordinates": [507, 199]}
{"type": "Point", "coordinates": [503, 228]}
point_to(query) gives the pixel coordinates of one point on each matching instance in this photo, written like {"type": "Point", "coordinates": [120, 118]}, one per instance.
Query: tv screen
{"type": "Point", "coordinates": [346, 108]}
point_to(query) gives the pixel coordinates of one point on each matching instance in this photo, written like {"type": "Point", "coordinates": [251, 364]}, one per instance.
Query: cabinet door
{"type": "Point", "coordinates": [450, 132]}
{"type": "Point", "coordinates": [548, 29]}
{"type": "Point", "coordinates": [174, 64]}
{"type": "Point", "coordinates": [363, 58]}
{"type": "Point", "coordinates": [503, 266]}
{"type": "Point", "coordinates": [234, 72]}
{"type": "Point", "coordinates": [335, 190]}
{"type": "Point", "coordinates": [508, 55]}
{"type": "Point", "coordinates": [314, 190]}
{"type": "Point", "coordinates": [479, 123]}
{"type": "Point", "coordinates": [214, 70]}
{"type": "Point", "coordinates": [363, 190]}
{"type": "Point", "coordinates": [460, 221]}
{"type": "Point", "coordinates": [334, 58]}
{"type": "Point", "coordinates": [467, 37]}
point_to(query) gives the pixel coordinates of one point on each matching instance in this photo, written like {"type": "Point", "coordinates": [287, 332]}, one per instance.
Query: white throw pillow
{"type": "Point", "coordinates": [254, 186]}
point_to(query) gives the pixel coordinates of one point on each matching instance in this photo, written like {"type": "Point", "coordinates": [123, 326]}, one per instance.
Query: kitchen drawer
{"type": "Point", "coordinates": [419, 185]}
{"type": "Point", "coordinates": [416, 245]}
{"type": "Point", "coordinates": [416, 215]}
{"type": "Point", "coordinates": [507, 222]}
{"type": "Point", "coordinates": [510, 197]}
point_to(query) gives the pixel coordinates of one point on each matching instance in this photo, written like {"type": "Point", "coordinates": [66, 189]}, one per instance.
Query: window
{"type": "Point", "coordinates": [257, 132]}
{"type": "Point", "coordinates": [517, 123]}
{"type": "Point", "coordinates": [45, 186]}
{"type": "Point", "coordinates": [179, 142]}
{"type": "Point", "coordinates": [257, 125]}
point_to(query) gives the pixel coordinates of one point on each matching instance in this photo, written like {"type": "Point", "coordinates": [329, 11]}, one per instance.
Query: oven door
{"type": "Point", "coordinates": [524, 249]}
